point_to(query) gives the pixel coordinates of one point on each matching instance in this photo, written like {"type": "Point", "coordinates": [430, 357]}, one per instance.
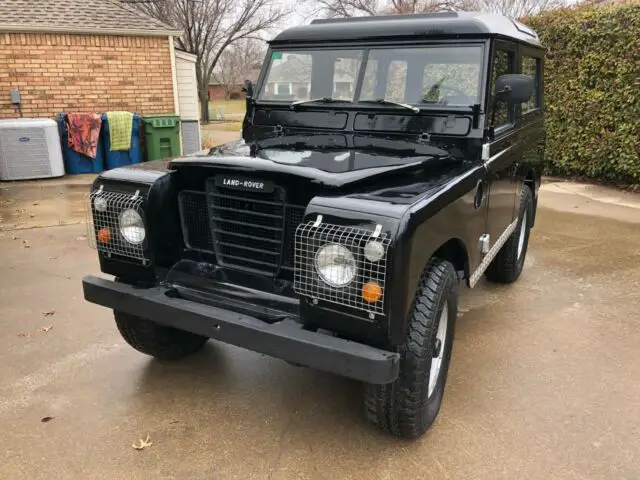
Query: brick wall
{"type": "Point", "coordinates": [65, 73]}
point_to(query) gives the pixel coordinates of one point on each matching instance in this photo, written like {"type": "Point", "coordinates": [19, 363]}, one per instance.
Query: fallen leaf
{"type": "Point", "coordinates": [142, 444]}
{"type": "Point", "coordinates": [48, 313]}
{"type": "Point", "coordinates": [81, 237]}
{"type": "Point", "coordinates": [46, 328]}
{"type": "Point", "coordinates": [46, 419]}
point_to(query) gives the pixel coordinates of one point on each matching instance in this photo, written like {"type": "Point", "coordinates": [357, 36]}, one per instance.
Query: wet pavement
{"type": "Point", "coordinates": [544, 381]}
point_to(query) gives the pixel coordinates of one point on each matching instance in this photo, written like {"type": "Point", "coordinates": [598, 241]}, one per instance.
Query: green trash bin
{"type": "Point", "coordinates": [162, 136]}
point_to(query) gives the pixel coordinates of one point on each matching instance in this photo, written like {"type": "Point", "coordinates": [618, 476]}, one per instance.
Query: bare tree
{"type": "Point", "coordinates": [517, 8]}
{"type": "Point", "coordinates": [353, 8]}
{"type": "Point", "coordinates": [240, 61]}
{"type": "Point", "coordinates": [510, 8]}
{"type": "Point", "coordinates": [211, 26]}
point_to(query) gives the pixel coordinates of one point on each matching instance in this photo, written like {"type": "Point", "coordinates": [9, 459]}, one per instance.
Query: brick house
{"type": "Point", "coordinates": [218, 91]}
{"type": "Point", "coordinates": [85, 55]}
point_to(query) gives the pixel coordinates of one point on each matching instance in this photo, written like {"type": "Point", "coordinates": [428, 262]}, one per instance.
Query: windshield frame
{"type": "Point", "coordinates": [483, 43]}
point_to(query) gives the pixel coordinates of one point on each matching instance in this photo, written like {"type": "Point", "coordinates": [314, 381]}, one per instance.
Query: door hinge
{"type": "Point", "coordinates": [484, 243]}
{"type": "Point", "coordinates": [424, 138]}
{"type": "Point", "coordinates": [486, 152]}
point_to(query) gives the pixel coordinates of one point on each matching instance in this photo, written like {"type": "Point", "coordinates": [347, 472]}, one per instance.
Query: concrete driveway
{"type": "Point", "coordinates": [544, 381]}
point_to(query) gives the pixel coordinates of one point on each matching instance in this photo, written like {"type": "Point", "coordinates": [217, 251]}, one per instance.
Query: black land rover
{"type": "Point", "coordinates": [383, 162]}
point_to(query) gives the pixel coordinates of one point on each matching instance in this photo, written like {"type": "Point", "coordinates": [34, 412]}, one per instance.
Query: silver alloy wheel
{"type": "Point", "coordinates": [436, 361]}
{"type": "Point", "coordinates": [523, 229]}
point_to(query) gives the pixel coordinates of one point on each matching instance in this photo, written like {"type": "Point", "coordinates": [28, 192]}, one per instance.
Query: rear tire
{"type": "Point", "coordinates": [508, 264]}
{"type": "Point", "coordinates": [163, 343]}
{"type": "Point", "coordinates": [408, 406]}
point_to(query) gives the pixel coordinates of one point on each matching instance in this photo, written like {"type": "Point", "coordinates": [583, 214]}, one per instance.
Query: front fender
{"type": "Point", "coordinates": [450, 213]}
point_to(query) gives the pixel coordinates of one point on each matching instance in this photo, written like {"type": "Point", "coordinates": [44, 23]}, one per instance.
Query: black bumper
{"type": "Point", "coordinates": [285, 339]}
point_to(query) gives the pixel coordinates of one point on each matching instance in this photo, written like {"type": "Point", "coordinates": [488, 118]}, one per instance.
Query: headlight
{"type": "Point", "coordinates": [374, 251]}
{"type": "Point", "coordinates": [335, 265]}
{"type": "Point", "coordinates": [132, 227]}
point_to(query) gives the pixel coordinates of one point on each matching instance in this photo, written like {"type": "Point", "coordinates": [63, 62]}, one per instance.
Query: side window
{"type": "Point", "coordinates": [531, 66]}
{"type": "Point", "coordinates": [503, 63]}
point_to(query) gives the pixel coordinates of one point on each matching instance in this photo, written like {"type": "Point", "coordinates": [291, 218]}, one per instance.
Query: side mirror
{"type": "Point", "coordinates": [514, 88]}
{"type": "Point", "coordinates": [248, 88]}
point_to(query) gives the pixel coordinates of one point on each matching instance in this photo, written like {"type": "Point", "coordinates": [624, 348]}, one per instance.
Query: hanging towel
{"type": "Point", "coordinates": [120, 129]}
{"type": "Point", "coordinates": [84, 132]}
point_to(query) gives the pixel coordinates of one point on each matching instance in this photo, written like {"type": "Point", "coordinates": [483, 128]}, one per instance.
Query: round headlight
{"type": "Point", "coordinates": [100, 204]}
{"type": "Point", "coordinates": [335, 265]}
{"type": "Point", "coordinates": [132, 226]}
{"type": "Point", "coordinates": [374, 251]}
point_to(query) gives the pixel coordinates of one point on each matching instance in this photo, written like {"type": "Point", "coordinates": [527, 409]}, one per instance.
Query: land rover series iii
{"type": "Point", "coordinates": [384, 162]}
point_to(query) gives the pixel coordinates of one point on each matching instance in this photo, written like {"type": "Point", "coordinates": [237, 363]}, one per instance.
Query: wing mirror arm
{"type": "Point", "coordinates": [248, 90]}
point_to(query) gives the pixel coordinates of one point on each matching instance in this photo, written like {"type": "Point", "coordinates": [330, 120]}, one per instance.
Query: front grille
{"type": "Point", "coordinates": [195, 220]}
{"type": "Point", "coordinates": [247, 230]}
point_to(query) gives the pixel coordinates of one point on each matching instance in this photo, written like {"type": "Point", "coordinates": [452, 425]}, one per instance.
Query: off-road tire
{"type": "Point", "coordinates": [163, 343]}
{"type": "Point", "coordinates": [403, 408]}
{"type": "Point", "coordinates": [508, 265]}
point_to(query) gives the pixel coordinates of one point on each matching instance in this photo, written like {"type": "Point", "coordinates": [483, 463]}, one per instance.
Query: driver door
{"type": "Point", "coordinates": [500, 154]}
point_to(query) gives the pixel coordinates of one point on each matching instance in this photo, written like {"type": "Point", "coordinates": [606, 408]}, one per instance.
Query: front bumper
{"type": "Point", "coordinates": [286, 339]}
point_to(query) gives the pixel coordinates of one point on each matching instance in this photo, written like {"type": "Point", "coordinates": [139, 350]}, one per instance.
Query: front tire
{"type": "Point", "coordinates": [509, 262]}
{"type": "Point", "coordinates": [163, 343]}
{"type": "Point", "coordinates": [408, 406]}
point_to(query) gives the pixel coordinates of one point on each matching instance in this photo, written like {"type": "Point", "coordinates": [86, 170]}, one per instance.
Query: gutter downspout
{"type": "Point", "coordinates": [174, 79]}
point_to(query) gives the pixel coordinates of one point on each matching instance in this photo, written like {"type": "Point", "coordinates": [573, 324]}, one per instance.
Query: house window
{"type": "Point", "coordinates": [283, 88]}
{"type": "Point", "coordinates": [531, 67]}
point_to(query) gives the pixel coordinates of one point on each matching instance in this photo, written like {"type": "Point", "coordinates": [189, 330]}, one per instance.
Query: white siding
{"type": "Point", "coordinates": [187, 87]}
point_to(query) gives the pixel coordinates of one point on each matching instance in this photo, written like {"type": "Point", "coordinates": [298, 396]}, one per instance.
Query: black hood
{"type": "Point", "coordinates": [334, 166]}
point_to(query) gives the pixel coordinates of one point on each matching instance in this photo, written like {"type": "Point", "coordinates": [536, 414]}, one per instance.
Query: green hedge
{"type": "Point", "coordinates": [592, 91]}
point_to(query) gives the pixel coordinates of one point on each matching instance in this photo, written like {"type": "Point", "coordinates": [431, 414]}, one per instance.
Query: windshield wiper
{"type": "Point", "coordinates": [384, 101]}
{"type": "Point", "coordinates": [319, 100]}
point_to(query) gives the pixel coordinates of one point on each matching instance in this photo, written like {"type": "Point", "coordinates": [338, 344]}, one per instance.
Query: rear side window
{"type": "Point", "coordinates": [531, 66]}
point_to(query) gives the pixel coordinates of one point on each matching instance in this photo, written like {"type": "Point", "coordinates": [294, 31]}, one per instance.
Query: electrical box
{"type": "Point", "coordinates": [15, 96]}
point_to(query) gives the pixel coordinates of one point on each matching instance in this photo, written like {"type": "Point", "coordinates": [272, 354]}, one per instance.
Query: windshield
{"type": "Point", "coordinates": [424, 75]}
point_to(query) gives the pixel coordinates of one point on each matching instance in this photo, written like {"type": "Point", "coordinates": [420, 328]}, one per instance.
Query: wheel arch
{"type": "Point", "coordinates": [455, 251]}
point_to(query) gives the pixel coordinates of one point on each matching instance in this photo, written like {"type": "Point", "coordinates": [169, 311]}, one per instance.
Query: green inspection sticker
{"type": "Point", "coordinates": [276, 56]}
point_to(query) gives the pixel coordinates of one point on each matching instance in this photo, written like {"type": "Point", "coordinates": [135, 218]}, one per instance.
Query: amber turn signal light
{"type": "Point", "coordinates": [371, 292]}
{"type": "Point", "coordinates": [104, 235]}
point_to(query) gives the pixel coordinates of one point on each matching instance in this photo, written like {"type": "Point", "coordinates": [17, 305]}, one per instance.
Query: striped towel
{"type": "Point", "coordinates": [120, 128]}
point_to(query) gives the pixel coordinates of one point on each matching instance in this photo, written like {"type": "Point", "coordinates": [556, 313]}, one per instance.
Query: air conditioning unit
{"type": "Point", "coordinates": [30, 148]}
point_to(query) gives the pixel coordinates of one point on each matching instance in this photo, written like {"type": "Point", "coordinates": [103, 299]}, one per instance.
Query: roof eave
{"type": "Point", "coordinates": [13, 28]}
